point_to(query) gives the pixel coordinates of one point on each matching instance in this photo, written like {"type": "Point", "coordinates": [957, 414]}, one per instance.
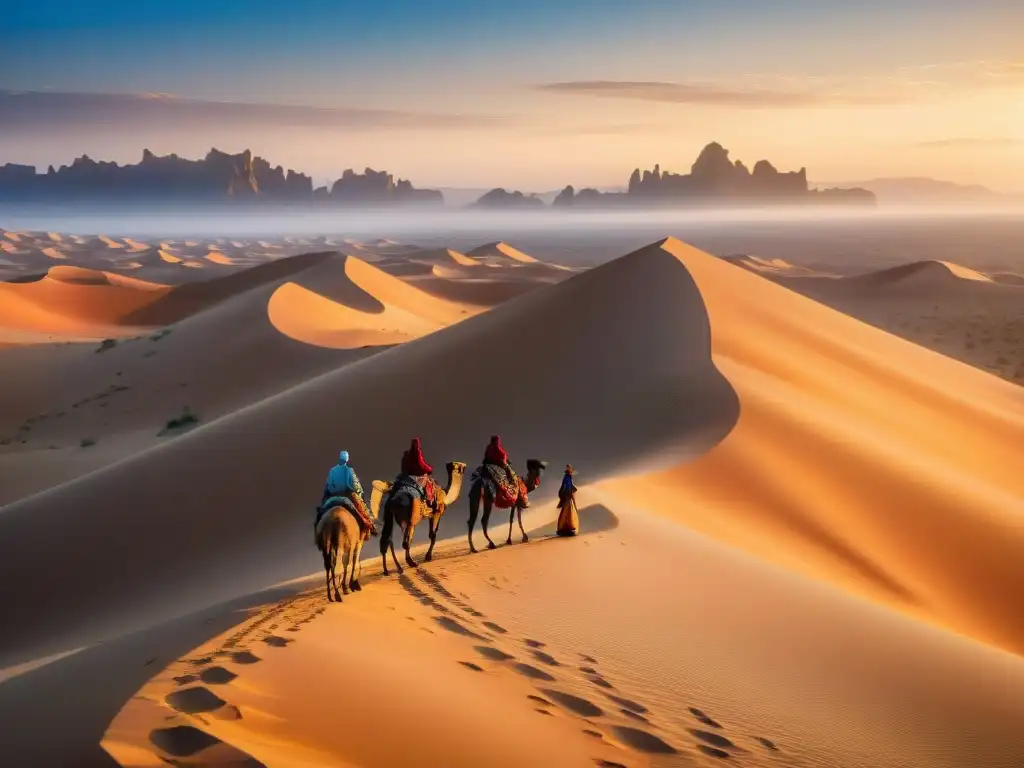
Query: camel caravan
{"type": "Point", "coordinates": [344, 522]}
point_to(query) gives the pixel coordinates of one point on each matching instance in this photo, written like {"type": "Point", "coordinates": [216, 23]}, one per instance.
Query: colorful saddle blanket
{"type": "Point", "coordinates": [504, 490]}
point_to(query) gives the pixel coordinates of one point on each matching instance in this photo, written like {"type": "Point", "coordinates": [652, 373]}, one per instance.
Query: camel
{"type": "Point", "coordinates": [534, 469]}
{"type": "Point", "coordinates": [408, 510]}
{"type": "Point", "coordinates": [339, 529]}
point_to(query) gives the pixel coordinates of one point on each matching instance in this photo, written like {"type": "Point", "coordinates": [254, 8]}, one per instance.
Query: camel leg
{"type": "Point", "coordinates": [334, 571]}
{"type": "Point", "coordinates": [357, 567]}
{"type": "Point", "coordinates": [511, 520]}
{"type": "Point", "coordinates": [519, 514]}
{"type": "Point", "coordinates": [385, 538]}
{"type": "Point", "coordinates": [474, 510]}
{"type": "Point", "coordinates": [346, 558]}
{"type": "Point", "coordinates": [327, 571]}
{"type": "Point", "coordinates": [488, 504]}
{"type": "Point", "coordinates": [435, 523]}
{"type": "Point", "coordinates": [407, 544]}
{"type": "Point", "coordinates": [394, 557]}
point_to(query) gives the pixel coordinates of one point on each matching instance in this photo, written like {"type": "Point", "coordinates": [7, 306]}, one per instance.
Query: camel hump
{"type": "Point", "coordinates": [456, 466]}
{"type": "Point", "coordinates": [381, 485]}
{"type": "Point", "coordinates": [536, 464]}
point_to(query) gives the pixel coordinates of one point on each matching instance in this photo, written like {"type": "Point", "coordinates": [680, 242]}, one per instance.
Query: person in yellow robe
{"type": "Point", "coordinates": [568, 516]}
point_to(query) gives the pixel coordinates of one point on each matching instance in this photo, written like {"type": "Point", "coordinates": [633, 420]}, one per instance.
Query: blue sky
{"type": "Point", "coordinates": [486, 59]}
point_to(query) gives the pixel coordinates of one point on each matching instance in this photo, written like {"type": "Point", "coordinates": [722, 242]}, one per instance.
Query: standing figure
{"type": "Point", "coordinates": [568, 517]}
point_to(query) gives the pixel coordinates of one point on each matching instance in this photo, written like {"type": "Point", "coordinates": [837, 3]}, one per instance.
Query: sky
{"type": "Point", "coordinates": [530, 95]}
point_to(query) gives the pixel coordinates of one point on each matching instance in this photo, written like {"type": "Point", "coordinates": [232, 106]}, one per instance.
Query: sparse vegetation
{"type": "Point", "coordinates": [105, 345]}
{"type": "Point", "coordinates": [184, 420]}
{"type": "Point", "coordinates": [87, 442]}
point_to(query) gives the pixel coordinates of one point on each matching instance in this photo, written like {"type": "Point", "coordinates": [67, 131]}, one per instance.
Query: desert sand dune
{"type": "Point", "coordinates": [785, 507]}
{"type": "Point", "coordinates": [1008, 278]}
{"type": "Point", "coordinates": [371, 308]}
{"type": "Point", "coordinates": [770, 266]}
{"type": "Point", "coordinates": [116, 599]}
{"type": "Point", "coordinates": [76, 303]}
{"type": "Point", "coordinates": [219, 258]}
{"type": "Point", "coordinates": [834, 437]}
{"type": "Point", "coordinates": [121, 397]}
{"type": "Point", "coordinates": [501, 250]}
{"type": "Point", "coordinates": [921, 274]}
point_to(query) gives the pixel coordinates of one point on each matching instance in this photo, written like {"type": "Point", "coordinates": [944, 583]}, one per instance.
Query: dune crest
{"type": "Point", "coordinates": [841, 425]}
{"type": "Point", "coordinates": [502, 249]}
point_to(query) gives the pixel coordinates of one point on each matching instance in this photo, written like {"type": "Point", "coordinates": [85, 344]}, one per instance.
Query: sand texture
{"type": "Point", "coordinates": [800, 533]}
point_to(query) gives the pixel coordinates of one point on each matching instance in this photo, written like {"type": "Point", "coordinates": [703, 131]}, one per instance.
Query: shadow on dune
{"type": "Point", "coordinates": [58, 714]}
{"type": "Point", "coordinates": [608, 368]}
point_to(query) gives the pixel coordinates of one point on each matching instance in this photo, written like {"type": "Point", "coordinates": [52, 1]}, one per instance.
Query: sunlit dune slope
{"type": "Point", "coordinates": [503, 371]}
{"type": "Point", "coordinates": [859, 458]}
{"type": "Point", "coordinates": [370, 308]}
{"type": "Point", "coordinates": [501, 250]}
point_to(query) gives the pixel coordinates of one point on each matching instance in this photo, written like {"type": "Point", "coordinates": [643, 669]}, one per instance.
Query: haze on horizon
{"type": "Point", "coordinates": [532, 95]}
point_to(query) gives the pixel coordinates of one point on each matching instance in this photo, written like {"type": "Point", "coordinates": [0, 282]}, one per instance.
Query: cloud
{"type": "Point", "coordinates": [48, 110]}
{"type": "Point", "coordinates": [971, 142]}
{"type": "Point", "coordinates": [797, 92]}
{"type": "Point", "coordinates": [711, 94]}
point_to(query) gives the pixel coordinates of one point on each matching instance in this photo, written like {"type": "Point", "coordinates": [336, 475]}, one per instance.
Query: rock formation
{"type": "Point", "coordinates": [715, 179]}
{"type": "Point", "coordinates": [219, 177]}
{"type": "Point", "coordinates": [499, 198]}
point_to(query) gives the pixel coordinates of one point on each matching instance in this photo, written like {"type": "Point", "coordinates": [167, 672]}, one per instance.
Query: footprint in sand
{"type": "Point", "coordinates": [609, 764]}
{"type": "Point", "coordinates": [186, 741]}
{"type": "Point", "coordinates": [277, 642]}
{"type": "Point", "coordinates": [766, 743]}
{"type": "Point", "coordinates": [600, 682]}
{"type": "Point", "coordinates": [217, 675]}
{"type": "Point", "coordinates": [494, 654]}
{"type": "Point", "coordinates": [535, 643]}
{"type": "Point", "coordinates": [453, 626]}
{"type": "Point", "coordinates": [471, 665]}
{"type": "Point", "coordinates": [704, 718]}
{"type": "Point", "coordinates": [546, 658]}
{"type": "Point", "coordinates": [495, 628]}
{"type": "Point", "coordinates": [539, 700]}
{"type": "Point", "coordinates": [588, 659]}
{"type": "Point", "coordinates": [714, 739]}
{"type": "Point", "coordinates": [195, 700]}
{"type": "Point", "coordinates": [542, 711]}
{"type": "Point", "coordinates": [595, 734]}
{"type": "Point", "coordinates": [244, 657]}
{"type": "Point", "coordinates": [574, 704]}
{"type": "Point", "coordinates": [185, 679]}
{"type": "Point", "coordinates": [713, 751]}
{"type": "Point", "coordinates": [533, 673]}
{"type": "Point", "coordinates": [642, 741]}
{"type": "Point", "coordinates": [629, 704]}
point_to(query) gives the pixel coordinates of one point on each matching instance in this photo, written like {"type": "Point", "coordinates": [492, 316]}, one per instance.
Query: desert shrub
{"type": "Point", "coordinates": [185, 419]}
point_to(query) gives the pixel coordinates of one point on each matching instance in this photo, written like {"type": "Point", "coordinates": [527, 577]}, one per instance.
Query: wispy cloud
{"type": "Point", "coordinates": [711, 94]}
{"type": "Point", "coordinates": [38, 110]}
{"type": "Point", "coordinates": [967, 142]}
{"type": "Point", "coordinates": [794, 92]}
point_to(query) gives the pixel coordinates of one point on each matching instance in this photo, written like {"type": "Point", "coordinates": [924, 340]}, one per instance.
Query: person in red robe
{"type": "Point", "coordinates": [415, 466]}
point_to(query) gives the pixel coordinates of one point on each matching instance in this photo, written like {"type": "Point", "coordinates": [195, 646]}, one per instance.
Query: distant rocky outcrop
{"type": "Point", "coordinates": [715, 179]}
{"type": "Point", "coordinates": [218, 177]}
{"type": "Point", "coordinates": [499, 198]}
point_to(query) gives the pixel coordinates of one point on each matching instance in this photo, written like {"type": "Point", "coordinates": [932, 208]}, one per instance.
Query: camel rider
{"type": "Point", "coordinates": [415, 471]}
{"type": "Point", "coordinates": [343, 486]}
{"type": "Point", "coordinates": [495, 455]}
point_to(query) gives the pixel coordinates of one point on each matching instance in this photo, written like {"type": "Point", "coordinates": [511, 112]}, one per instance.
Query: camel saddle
{"type": "Point", "coordinates": [505, 488]}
